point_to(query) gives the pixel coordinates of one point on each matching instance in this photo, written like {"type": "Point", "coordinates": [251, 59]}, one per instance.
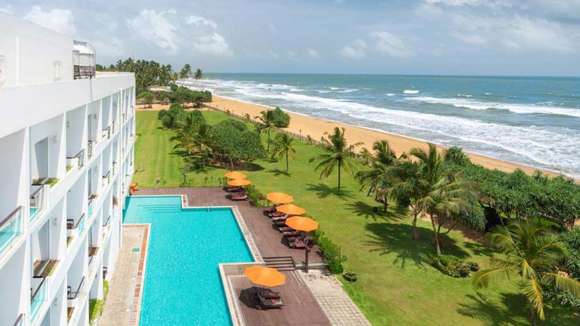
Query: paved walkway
{"type": "Point", "coordinates": [331, 297]}
{"type": "Point", "coordinates": [122, 306]}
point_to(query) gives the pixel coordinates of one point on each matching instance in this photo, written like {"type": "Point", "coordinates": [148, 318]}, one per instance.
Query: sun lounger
{"type": "Point", "coordinates": [279, 219]}
{"type": "Point", "coordinates": [290, 234]}
{"type": "Point", "coordinates": [285, 228]}
{"type": "Point", "coordinates": [269, 210]}
{"type": "Point", "coordinates": [276, 214]}
{"type": "Point", "coordinates": [269, 299]}
{"type": "Point", "coordinates": [238, 196]}
{"type": "Point", "coordinates": [233, 189]}
{"type": "Point", "coordinates": [297, 243]}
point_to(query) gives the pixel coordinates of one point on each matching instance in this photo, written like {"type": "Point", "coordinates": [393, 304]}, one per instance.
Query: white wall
{"type": "Point", "coordinates": [33, 54]}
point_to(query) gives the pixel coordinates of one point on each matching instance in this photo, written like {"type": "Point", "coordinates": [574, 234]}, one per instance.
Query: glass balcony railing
{"type": "Point", "coordinates": [77, 160]}
{"type": "Point", "coordinates": [90, 148]}
{"type": "Point", "coordinates": [78, 225]}
{"type": "Point", "coordinates": [10, 228]}
{"type": "Point", "coordinates": [91, 204]}
{"type": "Point", "coordinates": [19, 320]}
{"type": "Point", "coordinates": [38, 295]}
{"type": "Point", "coordinates": [37, 200]}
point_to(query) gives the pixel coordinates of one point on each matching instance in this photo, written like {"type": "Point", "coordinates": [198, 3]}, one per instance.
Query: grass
{"type": "Point", "coordinates": [396, 284]}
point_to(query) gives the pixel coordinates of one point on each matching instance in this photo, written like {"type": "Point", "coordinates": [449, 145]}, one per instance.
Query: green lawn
{"type": "Point", "coordinates": [396, 285]}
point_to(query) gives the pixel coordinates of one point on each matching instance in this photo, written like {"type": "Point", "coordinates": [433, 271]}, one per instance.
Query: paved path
{"type": "Point", "coordinates": [122, 306]}
{"type": "Point", "coordinates": [332, 298]}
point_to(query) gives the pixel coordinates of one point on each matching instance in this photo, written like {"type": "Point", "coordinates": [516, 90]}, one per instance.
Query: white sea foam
{"type": "Point", "coordinates": [515, 108]}
{"type": "Point", "coordinates": [542, 146]}
{"type": "Point", "coordinates": [411, 91]}
{"type": "Point", "coordinates": [390, 94]}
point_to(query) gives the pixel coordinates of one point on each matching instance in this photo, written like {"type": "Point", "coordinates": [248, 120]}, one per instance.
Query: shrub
{"type": "Point", "coordinates": [453, 266]}
{"type": "Point", "coordinates": [350, 276]}
{"type": "Point", "coordinates": [280, 118]}
{"type": "Point", "coordinates": [331, 253]}
{"type": "Point", "coordinates": [255, 197]}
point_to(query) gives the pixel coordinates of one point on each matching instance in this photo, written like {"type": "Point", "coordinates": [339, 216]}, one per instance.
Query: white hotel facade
{"type": "Point", "coordinates": [66, 161]}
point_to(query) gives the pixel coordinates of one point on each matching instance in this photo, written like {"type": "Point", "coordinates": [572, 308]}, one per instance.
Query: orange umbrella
{"type": "Point", "coordinates": [265, 276]}
{"type": "Point", "coordinates": [239, 182]}
{"type": "Point", "coordinates": [279, 198]}
{"type": "Point", "coordinates": [301, 223]}
{"type": "Point", "coordinates": [235, 175]}
{"type": "Point", "coordinates": [291, 209]}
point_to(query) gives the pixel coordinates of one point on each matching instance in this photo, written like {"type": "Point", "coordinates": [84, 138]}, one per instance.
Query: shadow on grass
{"type": "Point", "coordinates": [511, 311]}
{"type": "Point", "coordinates": [387, 238]}
{"type": "Point", "coordinates": [375, 213]}
{"type": "Point", "coordinates": [278, 172]}
{"type": "Point", "coordinates": [323, 191]}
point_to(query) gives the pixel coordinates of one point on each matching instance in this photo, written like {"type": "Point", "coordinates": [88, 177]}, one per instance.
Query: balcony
{"type": "Point", "coordinates": [74, 228]}
{"type": "Point", "coordinates": [106, 133]}
{"type": "Point", "coordinates": [19, 320]}
{"type": "Point", "coordinates": [91, 204]}
{"type": "Point", "coordinates": [37, 295]}
{"type": "Point", "coordinates": [10, 227]}
{"type": "Point", "coordinates": [93, 251]}
{"type": "Point", "coordinates": [107, 221]}
{"type": "Point", "coordinates": [37, 199]}
{"type": "Point", "coordinates": [44, 268]}
{"type": "Point", "coordinates": [106, 178]}
{"type": "Point", "coordinates": [73, 297]}
{"type": "Point", "coordinates": [78, 160]}
{"type": "Point", "coordinates": [90, 148]}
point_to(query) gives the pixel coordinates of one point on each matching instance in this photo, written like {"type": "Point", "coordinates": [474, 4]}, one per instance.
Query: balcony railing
{"type": "Point", "coordinates": [107, 133]}
{"type": "Point", "coordinates": [93, 250]}
{"type": "Point", "coordinates": [10, 227]}
{"type": "Point", "coordinates": [37, 200]}
{"type": "Point", "coordinates": [91, 203]}
{"type": "Point", "coordinates": [73, 294]}
{"type": "Point", "coordinates": [114, 168]}
{"type": "Point", "coordinates": [37, 295]}
{"type": "Point", "coordinates": [90, 148]}
{"type": "Point", "coordinates": [107, 178]}
{"type": "Point", "coordinates": [19, 320]}
{"type": "Point", "coordinates": [77, 160]}
{"type": "Point", "coordinates": [107, 221]}
{"type": "Point", "coordinates": [75, 227]}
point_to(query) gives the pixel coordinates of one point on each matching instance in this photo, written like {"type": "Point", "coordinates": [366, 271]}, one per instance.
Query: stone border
{"type": "Point", "coordinates": [140, 281]}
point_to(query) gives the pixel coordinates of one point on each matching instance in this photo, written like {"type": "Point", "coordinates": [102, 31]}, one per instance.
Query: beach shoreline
{"type": "Point", "coordinates": [315, 127]}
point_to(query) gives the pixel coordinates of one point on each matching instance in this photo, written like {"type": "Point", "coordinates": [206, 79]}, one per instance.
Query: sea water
{"type": "Point", "coordinates": [529, 120]}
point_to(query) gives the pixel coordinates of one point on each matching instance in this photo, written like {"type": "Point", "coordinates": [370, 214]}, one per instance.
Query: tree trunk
{"type": "Point", "coordinates": [532, 316]}
{"type": "Point", "coordinates": [339, 166]}
{"type": "Point", "coordinates": [415, 217]}
{"type": "Point", "coordinates": [385, 203]}
{"type": "Point", "coordinates": [286, 162]}
{"type": "Point", "coordinates": [268, 145]}
{"type": "Point", "coordinates": [436, 231]}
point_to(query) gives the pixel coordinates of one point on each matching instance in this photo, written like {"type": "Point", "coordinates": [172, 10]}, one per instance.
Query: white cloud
{"type": "Point", "coordinates": [312, 53]}
{"type": "Point", "coordinates": [391, 45]}
{"type": "Point", "coordinates": [6, 10]}
{"type": "Point", "coordinates": [156, 28]}
{"type": "Point", "coordinates": [172, 32]}
{"type": "Point", "coordinates": [59, 20]}
{"type": "Point", "coordinates": [355, 50]}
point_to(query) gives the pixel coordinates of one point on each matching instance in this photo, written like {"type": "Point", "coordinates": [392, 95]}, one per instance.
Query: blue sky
{"type": "Point", "coordinates": [490, 37]}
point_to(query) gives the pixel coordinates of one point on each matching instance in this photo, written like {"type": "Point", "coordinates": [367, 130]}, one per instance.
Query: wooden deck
{"type": "Point", "coordinates": [268, 239]}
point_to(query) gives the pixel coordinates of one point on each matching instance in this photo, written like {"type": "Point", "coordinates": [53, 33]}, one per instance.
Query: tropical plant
{"type": "Point", "coordinates": [198, 74]}
{"type": "Point", "coordinates": [147, 98]}
{"type": "Point", "coordinates": [529, 256]}
{"type": "Point", "coordinates": [185, 71]}
{"type": "Point", "coordinates": [284, 148]}
{"type": "Point", "coordinates": [266, 123]}
{"type": "Point", "coordinates": [380, 179]}
{"type": "Point", "coordinates": [232, 143]}
{"type": "Point", "coordinates": [338, 155]}
{"type": "Point", "coordinates": [280, 119]}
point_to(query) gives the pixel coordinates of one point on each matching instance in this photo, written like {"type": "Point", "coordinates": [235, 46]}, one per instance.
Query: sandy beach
{"type": "Point", "coordinates": [315, 128]}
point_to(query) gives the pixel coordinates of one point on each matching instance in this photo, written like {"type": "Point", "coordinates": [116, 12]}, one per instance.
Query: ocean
{"type": "Point", "coordinates": [529, 120]}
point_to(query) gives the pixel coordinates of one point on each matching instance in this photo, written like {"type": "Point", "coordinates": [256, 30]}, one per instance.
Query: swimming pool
{"type": "Point", "coordinates": [182, 281]}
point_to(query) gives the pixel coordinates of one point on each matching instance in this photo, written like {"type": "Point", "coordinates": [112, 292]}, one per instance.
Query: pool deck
{"type": "Point", "coordinates": [268, 239]}
{"type": "Point", "coordinates": [123, 303]}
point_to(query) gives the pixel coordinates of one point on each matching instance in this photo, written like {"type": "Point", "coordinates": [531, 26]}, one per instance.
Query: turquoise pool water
{"type": "Point", "coordinates": [182, 282]}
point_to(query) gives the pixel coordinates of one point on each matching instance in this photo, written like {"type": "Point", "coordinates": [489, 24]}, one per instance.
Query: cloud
{"type": "Point", "coordinates": [59, 20]}
{"type": "Point", "coordinates": [354, 50]}
{"type": "Point", "coordinates": [312, 53]}
{"type": "Point", "coordinates": [172, 32]}
{"type": "Point", "coordinates": [156, 28]}
{"type": "Point", "coordinates": [391, 45]}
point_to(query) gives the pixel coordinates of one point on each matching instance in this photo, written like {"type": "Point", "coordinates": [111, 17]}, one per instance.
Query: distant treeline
{"type": "Point", "coordinates": [151, 73]}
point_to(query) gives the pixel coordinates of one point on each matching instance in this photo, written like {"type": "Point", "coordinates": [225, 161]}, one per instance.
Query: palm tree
{"type": "Point", "coordinates": [380, 179]}
{"type": "Point", "coordinates": [266, 122]}
{"type": "Point", "coordinates": [530, 255]}
{"type": "Point", "coordinates": [198, 74]}
{"type": "Point", "coordinates": [283, 147]}
{"type": "Point", "coordinates": [338, 154]}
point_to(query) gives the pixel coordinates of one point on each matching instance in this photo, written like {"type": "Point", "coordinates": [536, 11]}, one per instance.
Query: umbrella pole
{"type": "Point", "coordinates": [306, 251]}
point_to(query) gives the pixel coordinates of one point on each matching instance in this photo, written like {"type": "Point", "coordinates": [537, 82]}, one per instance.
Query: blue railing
{"type": "Point", "coordinates": [10, 227]}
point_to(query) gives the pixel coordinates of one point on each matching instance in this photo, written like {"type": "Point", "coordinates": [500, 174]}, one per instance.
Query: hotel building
{"type": "Point", "coordinates": [66, 160]}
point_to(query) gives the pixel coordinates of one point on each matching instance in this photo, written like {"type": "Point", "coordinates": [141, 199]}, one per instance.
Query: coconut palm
{"type": "Point", "coordinates": [529, 256]}
{"type": "Point", "coordinates": [266, 123]}
{"type": "Point", "coordinates": [284, 147]}
{"type": "Point", "coordinates": [380, 179]}
{"type": "Point", "coordinates": [338, 155]}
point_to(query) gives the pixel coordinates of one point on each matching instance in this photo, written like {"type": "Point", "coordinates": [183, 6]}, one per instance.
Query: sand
{"type": "Point", "coordinates": [303, 125]}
